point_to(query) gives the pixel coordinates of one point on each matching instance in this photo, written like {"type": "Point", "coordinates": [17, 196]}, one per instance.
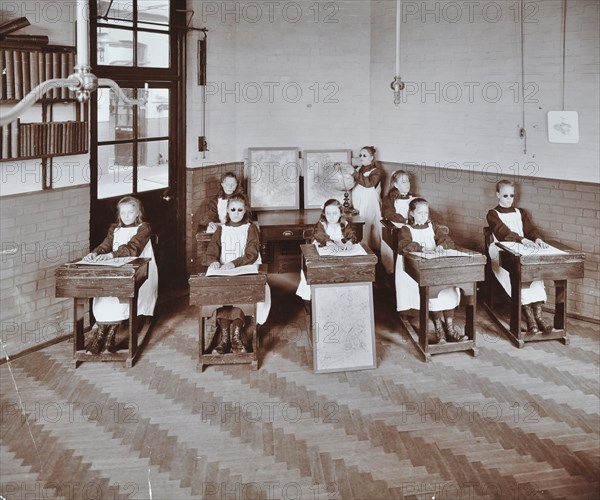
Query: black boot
{"type": "Point", "coordinates": [529, 319]}
{"type": "Point", "coordinates": [110, 338]}
{"type": "Point", "coordinates": [237, 345]}
{"type": "Point", "coordinates": [439, 328]}
{"type": "Point", "coordinates": [224, 344]}
{"type": "Point", "coordinates": [97, 342]}
{"type": "Point", "coordinates": [539, 319]}
{"type": "Point", "coordinates": [453, 335]}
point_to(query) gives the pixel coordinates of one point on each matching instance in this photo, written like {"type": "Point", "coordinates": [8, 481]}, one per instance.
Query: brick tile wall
{"type": "Point", "coordinates": [40, 231]}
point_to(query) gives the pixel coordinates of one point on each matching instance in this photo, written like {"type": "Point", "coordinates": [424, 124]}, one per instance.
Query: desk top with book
{"type": "Point", "coordinates": [331, 265]}
{"type": "Point", "coordinates": [121, 278]}
{"type": "Point", "coordinates": [558, 263]}
{"type": "Point", "coordinates": [242, 287]}
{"type": "Point", "coordinates": [434, 271]}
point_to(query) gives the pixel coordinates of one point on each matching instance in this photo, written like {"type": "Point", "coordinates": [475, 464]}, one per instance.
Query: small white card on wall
{"type": "Point", "coordinates": [563, 127]}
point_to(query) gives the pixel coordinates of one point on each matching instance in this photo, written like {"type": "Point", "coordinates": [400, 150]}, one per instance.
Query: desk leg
{"type": "Point", "coordinates": [78, 340]}
{"type": "Point", "coordinates": [470, 314]}
{"type": "Point", "coordinates": [560, 308]}
{"type": "Point", "coordinates": [201, 339]}
{"type": "Point", "coordinates": [132, 331]}
{"type": "Point", "coordinates": [424, 321]}
{"type": "Point", "coordinates": [515, 306]}
{"type": "Point", "coordinates": [254, 363]}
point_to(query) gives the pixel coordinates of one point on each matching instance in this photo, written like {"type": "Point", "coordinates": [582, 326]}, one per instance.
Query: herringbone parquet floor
{"type": "Point", "coordinates": [511, 423]}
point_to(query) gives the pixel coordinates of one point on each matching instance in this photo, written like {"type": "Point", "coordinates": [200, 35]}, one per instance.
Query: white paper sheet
{"type": "Point", "coordinates": [521, 249]}
{"type": "Point", "coordinates": [446, 252]}
{"type": "Point", "coordinates": [236, 271]}
{"type": "Point", "coordinates": [116, 262]}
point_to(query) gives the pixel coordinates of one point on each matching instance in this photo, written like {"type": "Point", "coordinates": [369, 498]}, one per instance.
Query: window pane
{"type": "Point", "coordinates": [115, 118]}
{"type": "Point", "coordinates": [115, 47]}
{"type": "Point", "coordinates": [153, 49]}
{"type": "Point", "coordinates": [155, 12]}
{"type": "Point", "coordinates": [115, 170]}
{"type": "Point", "coordinates": [153, 170]}
{"type": "Point", "coordinates": [154, 118]}
{"type": "Point", "coordinates": [120, 12]}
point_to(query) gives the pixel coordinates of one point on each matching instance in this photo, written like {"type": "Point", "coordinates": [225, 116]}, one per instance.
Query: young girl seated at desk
{"type": "Point", "coordinates": [395, 209]}
{"type": "Point", "coordinates": [508, 223]}
{"type": "Point", "coordinates": [128, 237]}
{"type": "Point", "coordinates": [237, 243]}
{"type": "Point", "coordinates": [422, 235]}
{"type": "Point", "coordinates": [332, 229]}
{"type": "Point", "coordinates": [216, 212]}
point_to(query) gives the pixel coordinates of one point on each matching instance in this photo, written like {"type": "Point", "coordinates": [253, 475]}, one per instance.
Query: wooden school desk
{"type": "Point", "coordinates": [342, 325]}
{"type": "Point", "coordinates": [389, 234]}
{"type": "Point", "coordinates": [211, 293]}
{"type": "Point", "coordinates": [82, 282]}
{"type": "Point", "coordinates": [277, 227]}
{"type": "Point", "coordinates": [524, 269]}
{"type": "Point", "coordinates": [433, 275]}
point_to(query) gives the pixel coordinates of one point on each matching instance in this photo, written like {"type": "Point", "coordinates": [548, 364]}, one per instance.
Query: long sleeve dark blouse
{"type": "Point", "coordinates": [251, 252]}
{"type": "Point", "coordinates": [371, 180]}
{"type": "Point", "coordinates": [321, 237]}
{"type": "Point", "coordinates": [211, 214]}
{"type": "Point", "coordinates": [134, 246]}
{"type": "Point", "coordinates": [441, 235]}
{"type": "Point", "coordinates": [388, 207]}
{"type": "Point", "coordinates": [503, 233]}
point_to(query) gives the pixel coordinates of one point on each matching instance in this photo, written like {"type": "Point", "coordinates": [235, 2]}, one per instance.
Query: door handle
{"type": "Point", "coordinates": [167, 195]}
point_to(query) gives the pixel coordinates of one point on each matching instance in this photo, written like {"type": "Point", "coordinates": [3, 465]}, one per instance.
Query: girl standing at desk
{"type": "Point", "coordinates": [366, 195]}
{"type": "Point", "coordinates": [237, 243]}
{"type": "Point", "coordinates": [128, 237]}
{"type": "Point", "coordinates": [511, 224]}
{"type": "Point", "coordinates": [395, 209]}
{"type": "Point", "coordinates": [422, 235]}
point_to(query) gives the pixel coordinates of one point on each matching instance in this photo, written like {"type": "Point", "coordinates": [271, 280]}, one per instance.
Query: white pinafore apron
{"type": "Point", "coordinates": [368, 203]}
{"type": "Point", "coordinates": [113, 309]}
{"type": "Point", "coordinates": [407, 289]}
{"type": "Point", "coordinates": [387, 254]}
{"type": "Point", "coordinates": [334, 231]}
{"type": "Point", "coordinates": [535, 292]}
{"type": "Point", "coordinates": [222, 209]}
{"type": "Point", "coordinates": [233, 246]}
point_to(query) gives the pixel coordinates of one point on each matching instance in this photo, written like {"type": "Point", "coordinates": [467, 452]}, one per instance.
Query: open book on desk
{"type": "Point", "coordinates": [439, 254]}
{"type": "Point", "coordinates": [236, 271]}
{"type": "Point", "coordinates": [115, 262]}
{"type": "Point", "coordinates": [521, 249]}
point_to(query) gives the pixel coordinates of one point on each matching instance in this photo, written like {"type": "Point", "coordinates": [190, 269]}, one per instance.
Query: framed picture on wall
{"type": "Point", "coordinates": [273, 177]}
{"type": "Point", "coordinates": [323, 176]}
